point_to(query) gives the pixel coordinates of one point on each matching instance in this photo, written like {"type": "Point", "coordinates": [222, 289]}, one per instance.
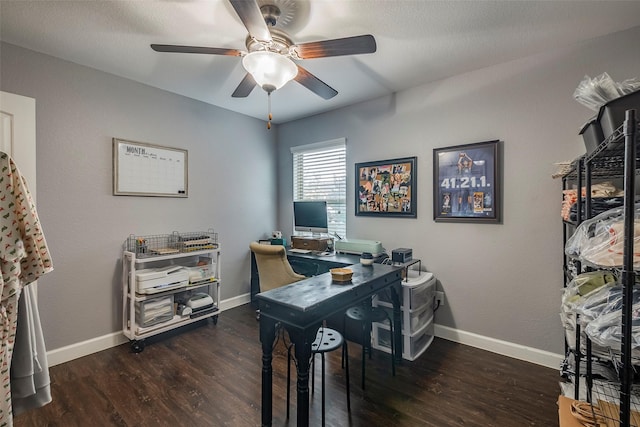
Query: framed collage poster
{"type": "Point", "coordinates": [466, 183]}
{"type": "Point", "coordinates": [387, 188]}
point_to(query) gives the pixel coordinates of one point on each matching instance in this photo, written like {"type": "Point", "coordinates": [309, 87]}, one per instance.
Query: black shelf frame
{"type": "Point", "coordinates": [615, 157]}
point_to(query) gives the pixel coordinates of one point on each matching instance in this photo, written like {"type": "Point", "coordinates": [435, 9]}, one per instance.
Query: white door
{"type": "Point", "coordinates": [18, 138]}
{"type": "Point", "coordinates": [18, 134]}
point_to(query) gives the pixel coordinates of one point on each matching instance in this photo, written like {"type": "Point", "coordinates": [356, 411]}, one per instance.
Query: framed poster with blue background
{"type": "Point", "coordinates": [466, 180]}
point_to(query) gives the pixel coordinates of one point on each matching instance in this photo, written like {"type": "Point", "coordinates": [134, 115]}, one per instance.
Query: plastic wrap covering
{"type": "Point", "coordinates": [595, 298]}
{"type": "Point", "coordinates": [599, 241]}
{"type": "Point", "coordinates": [596, 303]}
{"type": "Point", "coordinates": [594, 92]}
{"type": "Point", "coordinates": [579, 289]}
{"type": "Point", "coordinates": [628, 86]}
{"type": "Point", "coordinates": [574, 296]}
{"type": "Point", "coordinates": [606, 329]}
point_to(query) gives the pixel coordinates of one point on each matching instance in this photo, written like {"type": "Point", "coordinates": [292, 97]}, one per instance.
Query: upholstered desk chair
{"type": "Point", "coordinates": [274, 269]}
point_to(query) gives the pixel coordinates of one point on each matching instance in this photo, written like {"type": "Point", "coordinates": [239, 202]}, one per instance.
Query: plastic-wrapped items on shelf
{"type": "Point", "coordinates": [596, 302]}
{"type": "Point", "coordinates": [584, 284]}
{"type": "Point", "coordinates": [594, 92]}
{"type": "Point", "coordinates": [599, 241]}
{"type": "Point", "coordinates": [599, 313]}
{"type": "Point", "coordinates": [606, 328]}
{"type": "Point", "coordinates": [576, 293]}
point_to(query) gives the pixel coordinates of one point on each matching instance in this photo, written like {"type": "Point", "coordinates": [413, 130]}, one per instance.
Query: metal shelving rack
{"type": "Point", "coordinates": [615, 157]}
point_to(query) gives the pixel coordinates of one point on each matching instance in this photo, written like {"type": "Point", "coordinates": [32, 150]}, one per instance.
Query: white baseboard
{"type": "Point", "coordinates": [94, 345]}
{"type": "Point", "coordinates": [84, 348]}
{"type": "Point", "coordinates": [505, 348]}
{"type": "Point", "coordinates": [235, 302]}
{"type": "Point", "coordinates": [517, 351]}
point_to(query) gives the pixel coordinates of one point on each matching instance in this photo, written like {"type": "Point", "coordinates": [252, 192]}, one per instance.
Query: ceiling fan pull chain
{"type": "Point", "coordinates": [269, 109]}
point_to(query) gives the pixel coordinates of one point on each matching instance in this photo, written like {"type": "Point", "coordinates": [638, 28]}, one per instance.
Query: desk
{"type": "Point", "coordinates": [306, 264]}
{"type": "Point", "coordinates": [302, 306]}
{"type": "Point", "coordinates": [313, 264]}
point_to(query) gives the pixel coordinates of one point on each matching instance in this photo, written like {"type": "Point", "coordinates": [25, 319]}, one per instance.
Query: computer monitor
{"type": "Point", "coordinates": [310, 216]}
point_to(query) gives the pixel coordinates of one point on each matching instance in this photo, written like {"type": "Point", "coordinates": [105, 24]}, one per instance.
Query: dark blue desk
{"type": "Point", "coordinates": [302, 306]}
{"type": "Point", "coordinates": [308, 265]}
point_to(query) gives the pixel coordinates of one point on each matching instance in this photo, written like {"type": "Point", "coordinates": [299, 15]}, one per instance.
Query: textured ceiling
{"type": "Point", "coordinates": [418, 41]}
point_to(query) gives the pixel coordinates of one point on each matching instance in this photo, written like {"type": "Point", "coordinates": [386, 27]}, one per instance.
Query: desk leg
{"type": "Point", "coordinates": [267, 337]}
{"type": "Point", "coordinates": [397, 324]}
{"type": "Point", "coordinates": [302, 340]}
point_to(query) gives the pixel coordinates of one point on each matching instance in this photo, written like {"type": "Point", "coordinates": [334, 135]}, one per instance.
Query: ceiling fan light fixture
{"type": "Point", "coordinates": [270, 70]}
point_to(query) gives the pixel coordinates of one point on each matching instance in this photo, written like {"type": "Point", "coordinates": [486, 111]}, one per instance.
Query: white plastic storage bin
{"type": "Point", "coordinates": [412, 322]}
{"type": "Point", "coordinates": [418, 319]}
{"type": "Point", "coordinates": [412, 345]}
{"type": "Point", "coordinates": [417, 314]}
{"type": "Point", "coordinates": [418, 290]}
{"type": "Point", "coordinates": [155, 310]}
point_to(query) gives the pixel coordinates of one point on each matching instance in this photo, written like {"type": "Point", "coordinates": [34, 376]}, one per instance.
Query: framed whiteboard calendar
{"type": "Point", "coordinates": [141, 169]}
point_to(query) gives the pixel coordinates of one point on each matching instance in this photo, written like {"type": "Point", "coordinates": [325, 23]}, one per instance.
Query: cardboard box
{"type": "Point", "coordinates": [565, 416]}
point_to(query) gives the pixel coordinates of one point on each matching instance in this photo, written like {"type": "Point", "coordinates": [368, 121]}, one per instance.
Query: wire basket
{"type": "Point", "coordinates": [174, 243]}
{"type": "Point", "coordinates": [197, 241]}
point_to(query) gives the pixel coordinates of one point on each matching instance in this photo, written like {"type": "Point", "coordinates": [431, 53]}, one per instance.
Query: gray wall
{"type": "Point", "coordinates": [500, 281]}
{"type": "Point", "coordinates": [232, 184]}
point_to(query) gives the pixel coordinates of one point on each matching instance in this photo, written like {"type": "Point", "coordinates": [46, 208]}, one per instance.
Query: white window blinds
{"type": "Point", "coordinates": [320, 173]}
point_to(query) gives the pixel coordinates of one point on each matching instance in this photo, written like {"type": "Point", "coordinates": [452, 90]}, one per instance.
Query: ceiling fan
{"type": "Point", "coordinates": [270, 52]}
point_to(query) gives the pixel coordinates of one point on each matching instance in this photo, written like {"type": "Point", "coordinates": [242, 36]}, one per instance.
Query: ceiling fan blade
{"type": "Point", "coordinates": [245, 87]}
{"type": "Point", "coordinates": [249, 13]}
{"type": "Point", "coordinates": [337, 47]}
{"type": "Point", "coordinates": [314, 84]}
{"type": "Point", "coordinates": [195, 49]}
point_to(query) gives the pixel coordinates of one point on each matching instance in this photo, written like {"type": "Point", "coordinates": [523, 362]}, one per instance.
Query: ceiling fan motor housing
{"type": "Point", "coordinates": [271, 14]}
{"type": "Point", "coordinates": [280, 43]}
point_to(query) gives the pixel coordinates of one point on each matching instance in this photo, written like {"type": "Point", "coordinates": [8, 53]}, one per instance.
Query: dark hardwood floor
{"type": "Point", "coordinates": [211, 376]}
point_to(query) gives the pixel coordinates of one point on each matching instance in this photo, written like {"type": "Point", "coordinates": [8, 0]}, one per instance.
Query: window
{"type": "Point", "coordinates": [320, 173]}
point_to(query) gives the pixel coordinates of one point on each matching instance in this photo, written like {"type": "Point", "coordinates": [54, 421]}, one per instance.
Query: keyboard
{"type": "Point", "coordinates": [300, 251]}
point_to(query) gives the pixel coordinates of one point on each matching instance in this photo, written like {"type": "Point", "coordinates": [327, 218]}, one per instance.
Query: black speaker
{"type": "Point", "coordinates": [401, 255]}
